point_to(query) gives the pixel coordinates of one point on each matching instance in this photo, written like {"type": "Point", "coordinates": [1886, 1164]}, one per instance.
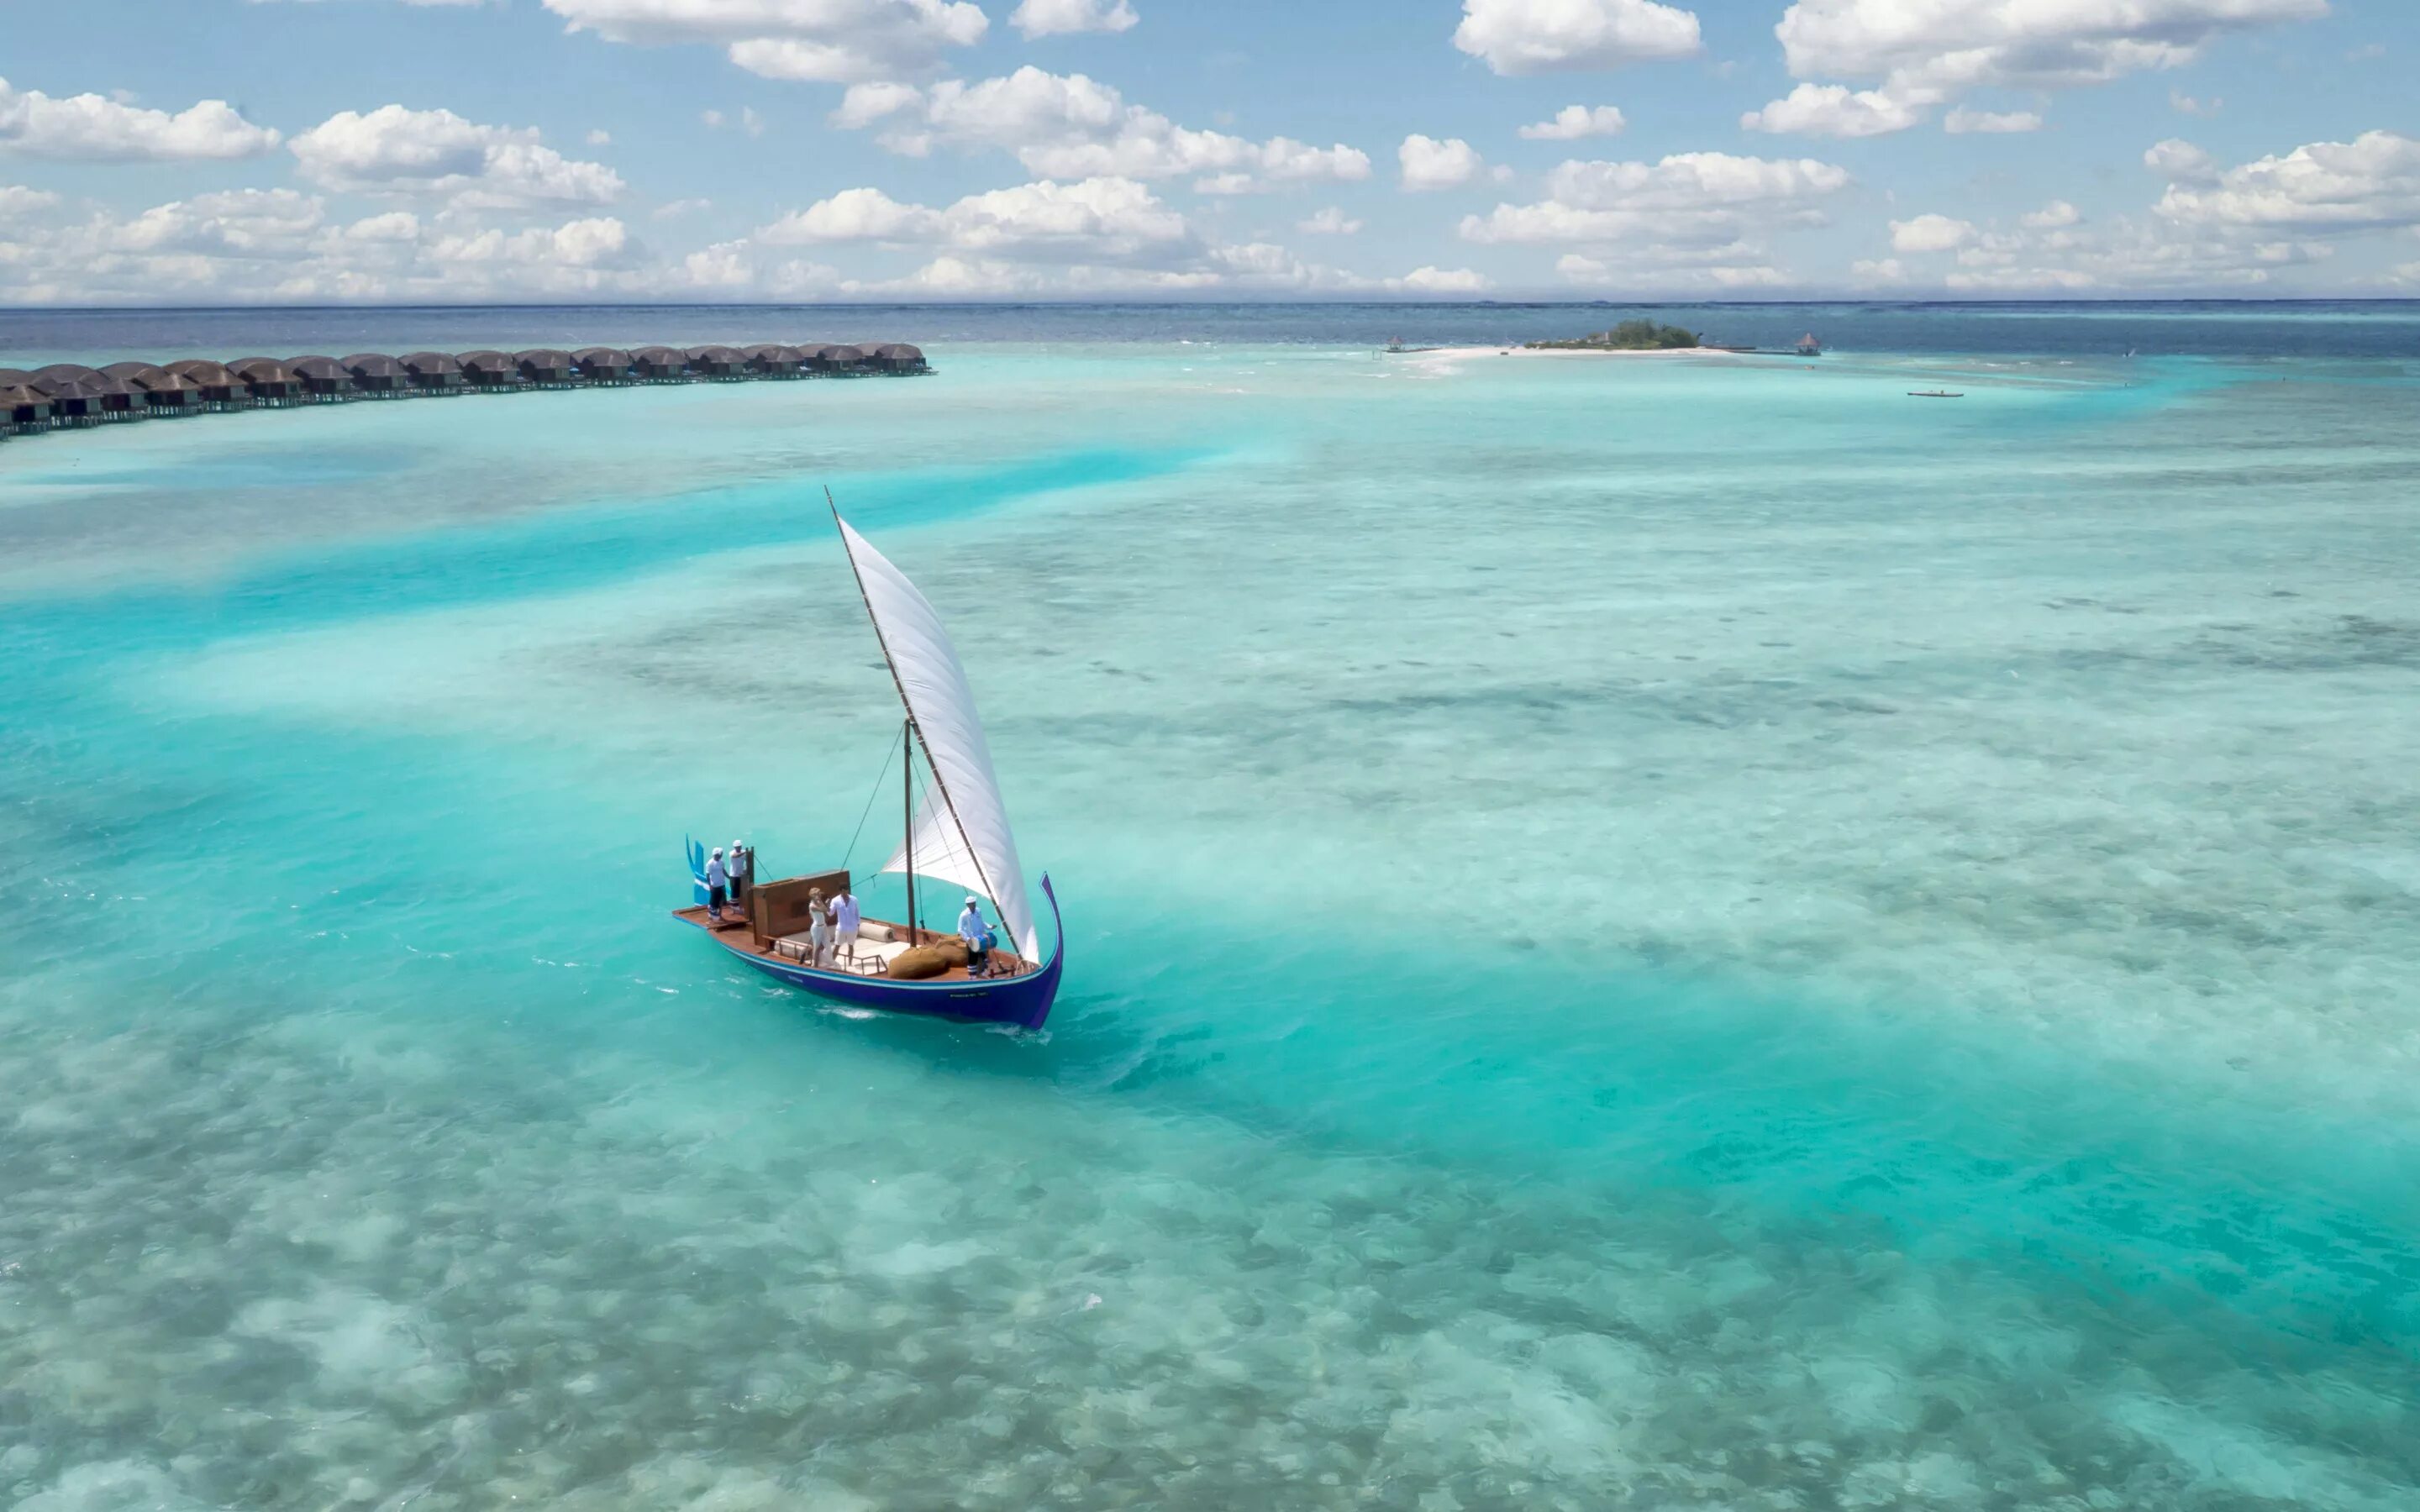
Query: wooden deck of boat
{"type": "Point", "coordinates": [733, 935]}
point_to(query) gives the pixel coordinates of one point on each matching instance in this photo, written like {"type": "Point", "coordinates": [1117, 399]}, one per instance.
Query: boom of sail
{"type": "Point", "coordinates": [961, 833]}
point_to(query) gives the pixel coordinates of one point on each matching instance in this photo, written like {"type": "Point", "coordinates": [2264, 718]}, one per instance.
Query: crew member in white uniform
{"type": "Point", "coordinates": [977, 934]}
{"type": "Point", "coordinates": [846, 920]}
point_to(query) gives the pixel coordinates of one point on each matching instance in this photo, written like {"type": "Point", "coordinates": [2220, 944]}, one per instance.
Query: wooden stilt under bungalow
{"type": "Point", "coordinates": [25, 412]}
{"type": "Point", "coordinates": [222, 392]}
{"type": "Point", "coordinates": [773, 361]}
{"type": "Point", "coordinates": [490, 372]}
{"type": "Point", "coordinates": [322, 380]}
{"type": "Point", "coordinates": [433, 373]}
{"type": "Point", "coordinates": [543, 367]}
{"type": "Point", "coordinates": [270, 383]}
{"type": "Point", "coordinates": [659, 364]}
{"type": "Point", "coordinates": [601, 367]}
{"type": "Point", "coordinates": [377, 375]}
{"type": "Point", "coordinates": [898, 357]}
{"type": "Point", "coordinates": [718, 365]}
{"type": "Point", "coordinates": [164, 392]}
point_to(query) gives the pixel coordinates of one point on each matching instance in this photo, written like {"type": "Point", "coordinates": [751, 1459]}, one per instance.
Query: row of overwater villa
{"type": "Point", "coordinates": [65, 395]}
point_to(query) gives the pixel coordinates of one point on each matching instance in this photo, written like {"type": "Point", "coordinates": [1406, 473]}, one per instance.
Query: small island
{"type": "Point", "coordinates": [1629, 336]}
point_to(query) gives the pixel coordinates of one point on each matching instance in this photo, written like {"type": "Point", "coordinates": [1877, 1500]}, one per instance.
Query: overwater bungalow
{"type": "Point", "coordinates": [774, 361]}
{"type": "Point", "coordinates": [433, 372]}
{"type": "Point", "coordinates": [601, 366]}
{"type": "Point", "coordinates": [837, 361]}
{"type": "Point", "coordinates": [164, 392]}
{"type": "Point", "coordinates": [221, 392]}
{"type": "Point", "coordinates": [87, 396]}
{"type": "Point", "coordinates": [270, 383]}
{"type": "Point", "coordinates": [490, 372]}
{"type": "Point", "coordinates": [898, 357]}
{"type": "Point", "coordinates": [544, 367]}
{"type": "Point", "coordinates": [1809, 346]}
{"type": "Point", "coordinates": [323, 379]}
{"type": "Point", "coordinates": [659, 364]}
{"type": "Point", "coordinates": [723, 365]}
{"type": "Point", "coordinates": [23, 409]}
{"type": "Point", "coordinates": [376, 376]}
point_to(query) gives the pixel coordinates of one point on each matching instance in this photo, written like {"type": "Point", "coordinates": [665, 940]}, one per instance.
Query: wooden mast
{"type": "Point", "coordinates": [908, 784]}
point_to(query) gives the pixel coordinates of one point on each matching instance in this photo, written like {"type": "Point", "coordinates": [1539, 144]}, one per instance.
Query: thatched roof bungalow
{"type": "Point", "coordinates": [898, 357]}
{"type": "Point", "coordinates": [164, 392]}
{"type": "Point", "coordinates": [720, 363]}
{"type": "Point", "coordinates": [433, 372]}
{"type": "Point", "coordinates": [837, 361]}
{"type": "Point", "coordinates": [323, 379]}
{"type": "Point", "coordinates": [490, 372]}
{"type": "Point", "coordinates": [601, 366]}
{"type": "Point", "coordinates": [220, 390]}
{"type": "Point", "coordinates": [268, 381]}
{"type": "Point", "coordinates": [23, 410]}
{"type": "Point", "coordinates": [659, 364]}
{"type": "Point", "coordinates": [377, 375]}
{"type": "Point", "coordinates": [544, 367]}
{"type": "Point", "coordinates": [86, 396]}
{"type": "Point", "coordinates": [774, 361]}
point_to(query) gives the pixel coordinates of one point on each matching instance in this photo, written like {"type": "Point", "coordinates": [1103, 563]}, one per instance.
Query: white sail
{"type": "Point", "coordinates": [962, 835]}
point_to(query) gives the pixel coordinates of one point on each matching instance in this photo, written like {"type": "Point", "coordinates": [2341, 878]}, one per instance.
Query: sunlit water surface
{"type": "Point", "coordinates": [1642, 932]}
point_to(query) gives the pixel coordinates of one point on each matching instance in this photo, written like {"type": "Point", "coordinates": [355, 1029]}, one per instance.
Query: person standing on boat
{"type": "Point", "coordinates": [977, 934]}
{"type": "Point", "coordinates": [846, 920]}
{"type": "Point", "coordinates": [819, 931]}
{"type": "Point", "coordinates": [742, 868]}
{"type": "Point", "coordinates": [717, 883]}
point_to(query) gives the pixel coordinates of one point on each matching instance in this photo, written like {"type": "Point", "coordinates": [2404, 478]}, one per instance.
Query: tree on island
{"type": "Point", "coordinates": [1631, 336]}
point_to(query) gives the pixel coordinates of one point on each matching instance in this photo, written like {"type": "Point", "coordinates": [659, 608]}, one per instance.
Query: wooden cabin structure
{"type": "Point", "coordinates": [270, 383]}
{"type": "Point", "coordinates": [490, 372]}
{"type": "Point", "coordinates": [378, 376]}
{"type": "Point", "coordinates": [164, 392]}
{"type": "Point", "coordinates": [321, 379]}
{"type": "Point", "coordinates": [601, 367]}
{"type": "Point", "coordinates": [659, 364]}
{"type": "Point", "coordinates": [773, 361]}
{"type": "Point", "coordinates": [898, 357]}
{"type": "Point", "coordinates": [82, 396]}
{"type": "Point", "coordinates": [543, 367]}
{"type": "Point", "coordinates": [838, 360]}
{"type": "Point", "coordinates": [434, 373]}
{"type": "Point", "coordinates": [24, 411]}
{"type": "Point", "coordinates": [718, 365]}
{"type": "Point", "coordinates": [221, 392]}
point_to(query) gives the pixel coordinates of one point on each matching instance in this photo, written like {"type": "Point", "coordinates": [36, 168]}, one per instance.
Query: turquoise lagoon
{"type": "Point", "coordinates": [1643, 933]}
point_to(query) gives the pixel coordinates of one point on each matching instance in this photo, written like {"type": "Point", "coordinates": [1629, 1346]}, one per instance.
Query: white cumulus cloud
{"type": "Point", "coordinates": [97, 129]}
{"type": "Point", "coordinates": [1057, 18]}
{"type": "Point", "coordinates": [1549, 36]}
{"type": "Point", "coordinates": [1919, 54]}
{"type": "Point", "coordinates": [437, 153]}
{"type": "Point", "coordinates": [2052, 216]}
{"type": "Point", "coordinates": [1835, 110]}
{"type": "Point", "coordinates": [1441, 281]}
{"type": "Point", "coordinates": [1931, 233]}
{"type": "Point", "coordinates": [831, 41]}
{"type": "Point", "coordinates": [1069, 126]}
{"type": "Point", "coordinates": [1964, 122]}
{"type": "Point", "coordinates": [1573, 122]}
{"type": "Point", "coordinates": [2369, 183]}
{"type": "Point", "coordinates": [1428, 164]}
{"type": "Point", "coordinates": [1330, 221]}
{"type": "Point", "coordinates": [1692, 220]}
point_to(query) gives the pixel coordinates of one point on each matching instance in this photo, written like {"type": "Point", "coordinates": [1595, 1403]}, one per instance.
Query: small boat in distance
{"type": "Point", "coordinates": [1809, 346]}
{"type": "Point", "coordinates": [957, 833]}
{"type": "Point", "coordinates": [1933, 393]}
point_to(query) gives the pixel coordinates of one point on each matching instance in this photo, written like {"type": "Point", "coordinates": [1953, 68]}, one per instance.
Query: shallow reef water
{"type": "Point", "coordinates": [1642, 932]}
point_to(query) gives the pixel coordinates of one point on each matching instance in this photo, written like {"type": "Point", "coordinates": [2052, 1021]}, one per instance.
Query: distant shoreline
{"type": "Point", "coordinates": [1586, 353]}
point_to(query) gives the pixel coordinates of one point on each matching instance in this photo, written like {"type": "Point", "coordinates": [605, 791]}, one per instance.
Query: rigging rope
{"type": "Point", "coordinates": [850, 854]}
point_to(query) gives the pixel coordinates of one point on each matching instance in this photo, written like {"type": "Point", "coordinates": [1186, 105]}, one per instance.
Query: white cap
{"type": "Point", "coordinates": [970, 903]}
{"type": "Point", "coordinates": [717, 851]}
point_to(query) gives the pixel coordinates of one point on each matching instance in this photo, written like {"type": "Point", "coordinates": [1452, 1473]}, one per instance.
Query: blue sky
{"type": "Point", "coordinates": [216, 152]}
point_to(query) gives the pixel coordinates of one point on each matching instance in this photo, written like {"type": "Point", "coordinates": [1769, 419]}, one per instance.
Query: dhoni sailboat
{"type": "Point", "coordinates": [956, 832]}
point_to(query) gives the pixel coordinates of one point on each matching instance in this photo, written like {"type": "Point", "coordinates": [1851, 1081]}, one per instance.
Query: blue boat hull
{"type": "Point", "coordinates": [1022, 1001]}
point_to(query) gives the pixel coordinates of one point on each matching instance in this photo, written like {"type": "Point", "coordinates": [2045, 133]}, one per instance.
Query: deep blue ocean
{"type": "Point", "coordinates": [1642, 931]}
